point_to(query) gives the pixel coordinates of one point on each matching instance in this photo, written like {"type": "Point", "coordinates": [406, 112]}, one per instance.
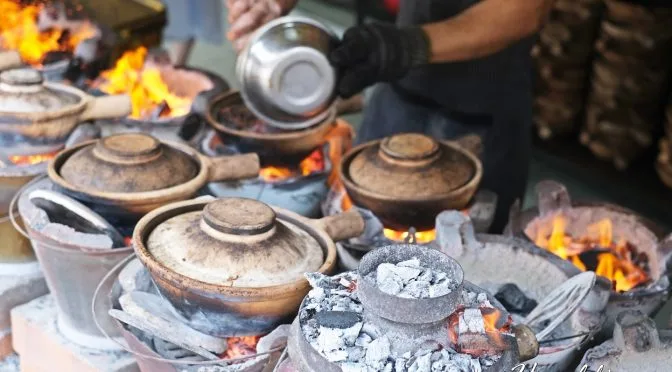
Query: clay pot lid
{"type": "Point", "coordinates": [235, 242]}
{"type": "Point", "coordinates": [410, 166]}
{"type": "Point", "coordinates": [23, 91]}
{"type": "Point", "coordinates": [129, 162]}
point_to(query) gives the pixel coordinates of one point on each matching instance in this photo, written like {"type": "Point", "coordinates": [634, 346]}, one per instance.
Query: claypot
{"type": "Point", "coordinates": [31, 108]}
{"type": "Point", "coordinates": [235, 266]}
{"type": "Point", "coordinates": [10, 59]}
{"type": "Point", "coordinates": [408, 179]}
{"type": "Point", "coordinates": [274, 142]}
{"type": "Point", "coordinates": [128, 175]}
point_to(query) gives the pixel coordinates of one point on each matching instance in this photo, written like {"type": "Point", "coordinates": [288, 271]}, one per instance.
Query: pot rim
{"type": "Point", "coordinates": [159, 215]}
{"type": "Point", "coordinates": [472, 184]}
{"type": "Point", "coordinates": [177, 192]}
{"type": "Point", "coordinates": [68, 111]}
{"type": "Point", "coordinates": [282, 136]}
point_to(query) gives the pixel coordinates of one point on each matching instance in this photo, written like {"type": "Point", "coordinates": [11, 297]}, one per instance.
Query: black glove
{"type": "Point", "coordinates": [377, 53]}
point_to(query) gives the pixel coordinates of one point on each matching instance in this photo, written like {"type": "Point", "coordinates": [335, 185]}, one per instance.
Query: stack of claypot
{"type": "Point", "coordinates": [117, 179]}
{"type": "Point", "coordinates": [563, 57]}
{"type": "Point", "coordinates": [664, 161]}
{"type": "Point", "coordinates": [235, 266]}
{"type": "Point", "coordinates": [630, 82]}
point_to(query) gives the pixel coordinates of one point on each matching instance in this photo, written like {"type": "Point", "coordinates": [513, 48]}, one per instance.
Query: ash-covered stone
{"type": "Point", "coordinates": [515, 300]}
{"type": "Point", "coordinates": [408, 279]}
{"type": "Point", "coordinates": [323, 324]}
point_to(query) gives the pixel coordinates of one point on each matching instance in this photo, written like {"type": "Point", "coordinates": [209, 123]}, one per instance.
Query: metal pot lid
{"type": "Point", "coordinates": [235, 242]}
{"type": "Point", "coordinates": [410, 165]}
{"type": "Point", "coordinates": [129, 162]}
{"type": "Point", "coordinates": [23, 91]}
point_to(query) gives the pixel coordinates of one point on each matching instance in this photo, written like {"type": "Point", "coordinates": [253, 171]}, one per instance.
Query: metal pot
{"type": "Point", "coordinates": [128, 175]}
{"type": "Point", "coordinates": [408, 179]}
{"type": "Point", "coordinates": [285, 74]}
{"type": "Point", "coordinates": [36, 110]}
{"type": "Point", "coordinates": [235, 266]}
{"type": "Point", "coordinates": [276, 142]}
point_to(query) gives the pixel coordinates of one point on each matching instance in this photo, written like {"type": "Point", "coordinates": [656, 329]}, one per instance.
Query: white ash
{"type": "Point", "coordinates": [408, 279]}
{"type": "Point", "coordinates": [370, 349]}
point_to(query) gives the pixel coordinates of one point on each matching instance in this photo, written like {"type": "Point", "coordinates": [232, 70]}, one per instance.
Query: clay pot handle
{"type": "Point", "coordinates": [107, 107]}
{"type": "Point", "coordinates": [233, 168]}
{"type": "Point", "coordinates": [342, 226]}
{"type": "Point", "coordinates": [10, 59]}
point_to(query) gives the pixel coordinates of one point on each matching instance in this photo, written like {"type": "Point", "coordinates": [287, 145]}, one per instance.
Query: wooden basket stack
{"type": "Point", "coordinates": [629, 82]}
{"type": "Point", "coordinates": [563, 57]}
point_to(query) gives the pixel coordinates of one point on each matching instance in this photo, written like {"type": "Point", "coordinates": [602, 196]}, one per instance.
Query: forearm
{"type": "Point", "coordinates": [485, 28]}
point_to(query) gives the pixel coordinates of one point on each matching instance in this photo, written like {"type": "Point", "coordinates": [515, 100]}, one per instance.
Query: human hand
{"type": "Point", "coordinates": [377, 53]}
{"type": "Point", "coordinates": [245, 16]}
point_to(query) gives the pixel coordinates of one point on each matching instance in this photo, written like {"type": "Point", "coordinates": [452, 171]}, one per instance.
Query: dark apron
{"type": "Point", "coordinates": [489, 97]}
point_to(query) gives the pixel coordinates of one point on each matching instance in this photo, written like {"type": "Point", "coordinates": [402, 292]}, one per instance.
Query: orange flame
{"type": "Point", "coordinates": [145, 85]}
{"type": "Point", "coordinates": [313, 163]}
{"type": "Point", "coordinates": [241, 346]}
{"type": "Point", "coordinates": [616, 265]}
{"type": "Point", "coordinates": [495, 334]}
{"type": "Point", "coordinates": [421, 237]}
{"type": "Point", "coordinates": [23, 160]}
{"type": "Point", "coordinates": [19, 31]}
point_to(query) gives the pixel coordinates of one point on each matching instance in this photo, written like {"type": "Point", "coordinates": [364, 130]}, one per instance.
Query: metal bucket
{"type": "Point", "coordinates": [72, 274]}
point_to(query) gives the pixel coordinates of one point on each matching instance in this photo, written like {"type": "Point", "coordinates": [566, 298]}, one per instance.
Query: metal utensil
{"type": "Point", "coordinates": [69, 212]}
{"type": "Point", "coordinates": [558, 305]}
{"type": "Point", "coordinates": [285, 75]}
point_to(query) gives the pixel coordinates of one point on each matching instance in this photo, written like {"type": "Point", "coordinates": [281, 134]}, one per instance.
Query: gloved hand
{"type": "Point", "coordinates": [375, 53]}
{"type": "Point", "coordinates": [245, 16]}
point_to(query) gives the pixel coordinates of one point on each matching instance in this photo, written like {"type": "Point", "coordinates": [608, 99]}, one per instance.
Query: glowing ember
{"type": "Point", "coordinates": [615, 260]}
{"type": "Point", "coordinates": [421, 237]}
{"type": "Point", "coordinates": [241, 346]}
{"type": "Point", "coordinates": [479, 335]}
{"type": "Point", "coordinates": [313, 163]}
{"type": "Point", "coordinates": [150, 95]}
{"type": "Point", "coordinates": [23, 160]}
{"type": "Point", "coordinates": [19, 31]}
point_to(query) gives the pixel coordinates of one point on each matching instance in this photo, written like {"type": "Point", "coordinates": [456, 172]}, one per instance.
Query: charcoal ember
{"type": "Point", "coordinates": [590, 257]}
{"type": "Point", "coordinates": [409, 279]}
{"type": "Point", "coordinates": [515, 300]}
{"type": "Point", "coordinates": [239, 117]}
{"type": "Point", "coordinates": [471, 321]}
{"type": "Point", "coordinates": [378, 353]}
{"type": "Point", "coordinates": [319, 280]}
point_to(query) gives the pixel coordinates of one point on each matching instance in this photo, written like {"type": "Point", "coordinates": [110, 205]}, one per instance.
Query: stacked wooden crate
{"type": "Point", "coordinates": [629, 83]}
{"type": "Point", "coordinates": [563, 57]}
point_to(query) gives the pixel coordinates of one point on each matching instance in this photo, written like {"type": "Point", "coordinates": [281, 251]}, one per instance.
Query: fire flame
{"type": "Point", "coordinates": [421, 237]}
{"type": "Point", "coordinates": [19, 31]}
{"type": "Point", "coordinates": [150, 95]}
{"type": "Point", "coordinates": [493, 334]}
{"type": "Point", "coordinates": [241, 346]}
{"type": "Point", "coordinates": [24, 160]}
{"type": "Point", "coordinates": [616, 263]}
{"type": "Point", "coordinates": [313, 163]}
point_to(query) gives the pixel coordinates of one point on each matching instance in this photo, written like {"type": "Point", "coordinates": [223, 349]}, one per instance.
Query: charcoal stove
{"type": "Point", "coordinates": [637, 345]}
{"type": "Point", "coordinates": [641, 253]}
{"type": "Point", "coordinates": [495, 263]}
{"type": "Point", "coordinates": [278, 184]}
{"type": "Point", "coordinates": [481, 211]}
{"type": "Point", "coordinates": [168, 101]}
{"type": "Point", "coordinates": [350, 322]}
{"type": "Point", "coordinates": [154, 352]}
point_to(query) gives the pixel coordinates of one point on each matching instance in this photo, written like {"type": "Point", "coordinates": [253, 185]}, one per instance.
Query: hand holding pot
{"type": "Point", "coordinates": [245, 16]}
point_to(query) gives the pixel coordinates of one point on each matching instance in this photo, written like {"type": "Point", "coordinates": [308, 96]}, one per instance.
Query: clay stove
{"type": "Point", "coordinates": [617, 244]}
{"type": "Point", "coordinates": [161, 341]}
{"type": "Point", "coordinates": [363, 320]}
{"type": "Point", "coordinates": [637, 345]}
{"type": "Point", "coordinates": [520, 275]}
{"type": "Point", "coordinates": [168, 101]}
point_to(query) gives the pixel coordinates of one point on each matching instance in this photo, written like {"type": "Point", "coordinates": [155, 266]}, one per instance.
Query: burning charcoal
{"type": "Point", "coordinates": [387, 280]}
{"type": "Point", "coordinates": [422, 364]}
{"type": "Point", "coordinates": [377, 353]}
{"type": "Point", "coordinates": [514, 300]}
{"type": "Point", "coordinates": [414, 262]}
{"type": "Point", "coordinates": [471, 321]}
{"type": "Point", "coordinates": [416, 289]}
{"type": "Point", "coordinates": [331, 344]}
{"type": "Point", "coordinates": [409, 280]}
{"type": "Point", "coordinates": [353, 367]}
{"type": "Point", "coordinates": [590, 258]}
{"type": "Point", "coordinates": [135, 277]}
{"type": "Point", "coordinates": [318, 280]}
{"type": "Point", "coordinates": [338, 319]}
{"type": "Point", "coordinates": [441, 288]}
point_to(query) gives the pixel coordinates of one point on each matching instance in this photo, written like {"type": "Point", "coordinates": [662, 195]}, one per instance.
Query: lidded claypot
{"type": "Point", "coordinates": [33, 108]}
{"type": "Point", "coordinates": [406, 180]}
{"type": "Point", "coordinates": [133, 173]}
{"type": "Point", "coordinates": [236, 266]}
